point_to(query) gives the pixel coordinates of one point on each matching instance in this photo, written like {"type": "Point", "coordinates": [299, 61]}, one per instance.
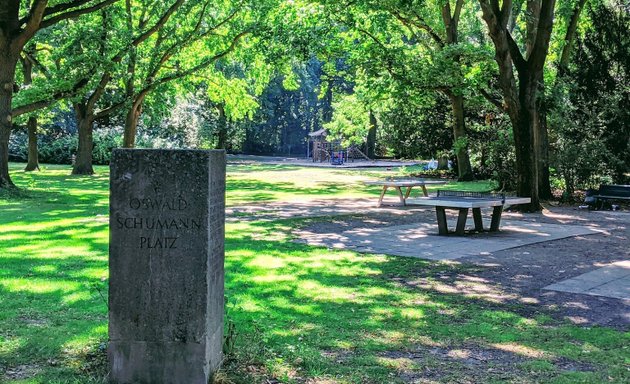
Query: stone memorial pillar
{"type": "Point", "coordinates": [167, 214]}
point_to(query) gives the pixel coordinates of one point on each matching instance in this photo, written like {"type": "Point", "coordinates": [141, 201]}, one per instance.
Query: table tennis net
{"type": "Point", "coordinates": [478, 195]}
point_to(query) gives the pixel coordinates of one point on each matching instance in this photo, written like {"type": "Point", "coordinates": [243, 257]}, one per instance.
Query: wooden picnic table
{"type": "Point", "coordinates": [449, 200]}
{"type": "Point", "coordinates": [399, 184]}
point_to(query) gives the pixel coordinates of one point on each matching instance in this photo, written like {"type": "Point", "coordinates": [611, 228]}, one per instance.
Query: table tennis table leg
{"type": "Point", "coordinates": [441, 219]}
{"type": "Point", "coordinates": [461, 221]}
{"type": "Point", "coordinates": [478, 221]}
{"type": "Point", "coordinates": [496, 218]}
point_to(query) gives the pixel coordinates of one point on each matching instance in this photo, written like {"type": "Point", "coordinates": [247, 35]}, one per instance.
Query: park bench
{"type": "Point", "coordinates": [463, 201]}
{"type": "Point", "coordinates": [399, 184]}
{"type": "Point", "coordinates": [608, 193]}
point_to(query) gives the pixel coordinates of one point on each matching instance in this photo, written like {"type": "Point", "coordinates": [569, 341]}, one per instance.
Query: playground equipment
{"type": "Point", "coordinates": [321, 150]}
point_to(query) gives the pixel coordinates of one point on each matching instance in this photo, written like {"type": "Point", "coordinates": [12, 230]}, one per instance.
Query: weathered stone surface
{"type": "Point", "coordinates": [167, 213]}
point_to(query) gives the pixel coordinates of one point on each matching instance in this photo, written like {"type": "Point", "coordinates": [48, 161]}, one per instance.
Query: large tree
{"type": "Point", "coordinates": [86, 108]}
{"type": "Point", "coordinates": [164, 43]}
{"type": "Point", "coordinates": [520, 79]}
{"type": "Point", "coordinates": [19, 22]}
{"type": "Point", "coordinates": [215, 33]}
{"type": "Point", "coordinates": [447, 36]}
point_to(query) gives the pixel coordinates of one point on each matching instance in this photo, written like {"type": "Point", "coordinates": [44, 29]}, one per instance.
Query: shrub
{"type": "Point", "coordinates": [105, 140]}
{"type": "Point", "coordinates": [58, 150]}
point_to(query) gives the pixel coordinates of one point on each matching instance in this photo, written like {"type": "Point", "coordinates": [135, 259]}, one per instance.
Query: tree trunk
{"type": "Point", "coordinates": [464, 169]}
{"type": "Point", "coordinates": [541, 136]}
{"type": "Point", "coordinates": [451, 24]}
{"type": "Point", "coordinates": [33, 157]}
{"type": "Point", "coordinates": [544, 177]}
{"type": "Point", "coordinates": [31, 125]}
{"type": "Point", "coordinates": [85, 121]}
{"type": "Point", "coordinates": [222, 133]}
{"type": "Point", "coordinates": [8, 64]}
{"type": "Point", "coordinates": [371, 137]}
{"type": "Point", "coordinates": [327, 109]}
{"type": "Point", "coordinates": [131, 124]}
{"type": "Point", "coordinates": [525, 125]}
{"type": "Point", "coordinates": [569, 37]}
{"type": "Point", "coordinates": [521, 100]}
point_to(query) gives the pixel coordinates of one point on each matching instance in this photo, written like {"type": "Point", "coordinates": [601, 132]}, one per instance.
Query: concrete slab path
{"type": "Point", "coordinates": [610, 281]}
{"type": "Point", "coordinates": [421, 239]}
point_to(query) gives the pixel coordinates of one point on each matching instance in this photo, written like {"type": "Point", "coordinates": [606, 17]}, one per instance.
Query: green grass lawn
{"type": "Point", "coordinates": [294, 312]}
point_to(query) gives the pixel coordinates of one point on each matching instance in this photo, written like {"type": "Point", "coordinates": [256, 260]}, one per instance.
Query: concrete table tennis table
{"type": "Point", "coordinates": [463, 201]}
{"type": "Point", "coordinates": [399, 184]}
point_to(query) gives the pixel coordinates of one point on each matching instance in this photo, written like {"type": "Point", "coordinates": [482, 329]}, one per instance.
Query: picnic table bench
{"type": "Point", "coordinates": [607, 193]}
{"type": "Point", "coordinates": [463, 201]}
{"type": "Point", "coordinates": [399, 184]}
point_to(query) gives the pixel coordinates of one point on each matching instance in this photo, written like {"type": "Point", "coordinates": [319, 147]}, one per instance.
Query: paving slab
{"type": "Point", "coordinates": [610, 281]}
{"type": "Point", "coordinates": [421, 239]}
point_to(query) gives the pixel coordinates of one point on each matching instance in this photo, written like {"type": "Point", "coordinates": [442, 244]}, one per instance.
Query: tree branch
{"type": "Point", "coordinates": [389, 62]}
{"type": "Point", "coordinates": [75, 13]}
{"type": "Point", "coordinates": [202, 65]}
{"type": "Point", "coordinates": [497, 103]}
{"type": "Point", "coordinates": [148, 33]}
{"type": "Point", "coordinates": [20, 110]}
{"type": "Point", "coordinates": [506, 10]}
{"type": "Point", "coordinates": [175, 76]}
{"type": "Point", "coordinates": [420, 24]}
{"type": "Point", "coordinates": [98, 92]}
{"type": "Point", "coordinates": [458, 11]}
{"type": "Point", "coordinates": [30, 57]}
{"type": "Point", "coordinates": [160, 23]}
{"type": "Point", "coordinates": [446, 19]}
{"type": "Point", "coordinates": [533, 15]}
{"type": "Point", "coordinates": [516, 10]}
{"type": "Point", "coordinates": [541, 46]}
{"type": "Point", "coordinates": [32, 23]}
{"type": "Point", "coordinates": [65, 6]}
{"type": "Point", "coordinates": [515, 52]}
{"type": "Point", "coordinates": [563, 63]}
{"type": "Point", "coordinates": [170, 51]}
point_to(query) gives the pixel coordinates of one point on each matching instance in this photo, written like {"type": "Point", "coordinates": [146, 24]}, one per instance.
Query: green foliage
{"type": "Point", "coordinates": [59, 151]}
{"type": "Point", "coordinates": [493, 143]}
{"type": "Point", "coordinates": [297, 61]}
{"type": "Point", "coordinates": [62, 147]}
{"type": "Point", "coordinates": [417, 130]}
{"type": "Point", "coordinates": [590, 117]}
{"type": "Point", "coordinates": [350, 122]}
{"type": "Point", "coordinates": [281, 124]}
{"type": "Point", "coordinates": [105, 140]}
